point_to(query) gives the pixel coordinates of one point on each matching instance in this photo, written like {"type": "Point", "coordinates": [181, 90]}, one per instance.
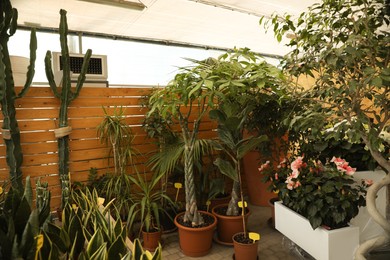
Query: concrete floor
{"type": "Point", "coordinates": [272, 245]}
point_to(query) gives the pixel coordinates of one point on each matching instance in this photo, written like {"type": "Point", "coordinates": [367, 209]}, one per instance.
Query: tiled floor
{"type": "Point", "coordinates": [272, 245]}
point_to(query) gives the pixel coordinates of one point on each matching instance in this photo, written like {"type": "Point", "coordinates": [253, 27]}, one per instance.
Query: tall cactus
{"type": "Point", "coordinates": [66, 95]}
{"type": "Point", "coordinates": [10, 128]}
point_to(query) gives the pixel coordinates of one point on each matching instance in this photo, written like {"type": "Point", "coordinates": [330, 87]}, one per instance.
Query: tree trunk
{"type": "Point", "coordinates": [379, 241]}
{"type": "Point", "coordinates": [191, 215]}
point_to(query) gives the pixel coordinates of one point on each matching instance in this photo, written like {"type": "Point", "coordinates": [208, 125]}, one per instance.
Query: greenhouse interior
{"type": "Point", "coordinates": [195, 129]}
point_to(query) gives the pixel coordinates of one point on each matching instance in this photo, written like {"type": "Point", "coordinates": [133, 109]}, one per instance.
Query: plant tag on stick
{"type": "Point", "coordinates": [208, 205]}
{"type": "Point", "coordinates": [254, 236]}
{"type": "Point", "coordinates": [178, 186]}
{"type": "Point", "coordinates": [240, 204]}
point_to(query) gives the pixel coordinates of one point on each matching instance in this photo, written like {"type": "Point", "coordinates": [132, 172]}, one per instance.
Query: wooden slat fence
{"type": "Point", "coordinates": [37, 115]}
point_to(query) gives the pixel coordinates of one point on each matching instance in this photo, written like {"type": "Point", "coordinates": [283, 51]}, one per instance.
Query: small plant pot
{"type": "Point", "coordinates": [228, 226]}
{"type": "Point", "coordinates": [196, 242]}
{"type": "Point", "coordinates": [151, 240]}
{"type": "Point", "coordinates": [244, 250]}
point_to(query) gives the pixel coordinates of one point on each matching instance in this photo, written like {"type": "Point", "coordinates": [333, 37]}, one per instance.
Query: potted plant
{"type": "Point", "coordinates": [231, 118]}
{"type": "Point", "coordinates": [344, 95]}
{"type": "Point", "coordinates": [326, 195]}
{"type": "Point", "coordinates": [187, 99]}
{"type": "Point", "coordinates": [115, 132]}
{"type": "Point", "coordinates": [148, 208]}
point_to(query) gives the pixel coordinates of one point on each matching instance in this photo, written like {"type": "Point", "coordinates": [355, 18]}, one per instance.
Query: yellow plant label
{"type": "Point", "coordinates": [240, 204]}
{"type": "Point", "coordinates": [178, 185]}
{"type": "Point", "coordinates": [100, 201]}
{"type": "Point", "coordinates": [254, 236]}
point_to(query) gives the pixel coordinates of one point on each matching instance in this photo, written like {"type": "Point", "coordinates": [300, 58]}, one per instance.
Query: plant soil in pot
{"type": "Point", "coordinates": [227, 226]}
{"type": "Point", "coordinates": [196, 241]}
{"type": "Point", "coordinates": [244, 247]}
{"type": "Point", "coordinates": [151, 239]}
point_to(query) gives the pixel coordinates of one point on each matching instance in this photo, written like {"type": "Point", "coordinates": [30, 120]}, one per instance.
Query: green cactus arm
{"type": "Point", "coordinates": [13, 22]}
{"type": "Point", "coordinates": [50, 75]}
{"type": "Point", "coordinates": [31, 67]}
{"type": "Point", "coordinates": [81, 78]}
{"type": "Point", "coordinates": [64, 47]}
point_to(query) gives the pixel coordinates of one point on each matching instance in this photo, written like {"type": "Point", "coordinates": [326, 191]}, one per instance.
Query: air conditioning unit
{"type": "Point", "coordinates": [97, 69]}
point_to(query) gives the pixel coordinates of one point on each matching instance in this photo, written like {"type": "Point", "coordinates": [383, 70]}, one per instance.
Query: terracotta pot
{"type": "Point", "coordinates": [196, 242]}
{"type": "Point", "coordinates": [227, 226]}
{"type": "Point", "coordinates": [151, 240]}
{"type": "Point", "coordinates": [245, 251]}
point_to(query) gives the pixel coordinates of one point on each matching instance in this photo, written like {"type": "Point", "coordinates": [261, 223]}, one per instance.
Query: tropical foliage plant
{"type": "Point", "coordinates": [148, 202]}
{"type": "Point", "coordinates": [113, 131]}
{"type": "Point", "coordinates": [187, 99]}
{"type": "Point", "coordinates": [344, 46]}
{"type": "Point", "coordinates": [21, 222]}
{"type": "Point", "coordinates": [87, 231]}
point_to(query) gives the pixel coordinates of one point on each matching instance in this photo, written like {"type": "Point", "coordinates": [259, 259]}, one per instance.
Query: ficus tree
{"type": "Point", "coordinates": [345, 47]}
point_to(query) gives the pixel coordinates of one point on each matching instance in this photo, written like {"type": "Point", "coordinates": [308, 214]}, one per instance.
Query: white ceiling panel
{"type": "Point", "coordinates": [213, 23]}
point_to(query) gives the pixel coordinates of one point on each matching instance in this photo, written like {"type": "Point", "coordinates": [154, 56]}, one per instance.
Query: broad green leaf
{"type": "Point", "coordinates": [226, 168]}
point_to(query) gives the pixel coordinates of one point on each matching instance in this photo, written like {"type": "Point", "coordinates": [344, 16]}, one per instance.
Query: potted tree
{"type": "Point", "coordinates": [348, 56]}
{"type": "Point", "coordinates": [187, 99]}
{"type": "Point", "coordinates": [148, 208]}
{"type": "Point", "coordinates": [231, 119]}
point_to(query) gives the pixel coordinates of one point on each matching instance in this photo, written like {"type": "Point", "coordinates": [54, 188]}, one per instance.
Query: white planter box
{"type": "Point", "coordinates": [338, 244]}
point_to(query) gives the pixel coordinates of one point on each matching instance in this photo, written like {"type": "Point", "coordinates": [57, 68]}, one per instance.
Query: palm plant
{"type": "Point", "coordinates": [114, 131]}
{"type": "Point", "coordinates": [231, 121]}
{"type": "Point", "coordinates": [147, 202]}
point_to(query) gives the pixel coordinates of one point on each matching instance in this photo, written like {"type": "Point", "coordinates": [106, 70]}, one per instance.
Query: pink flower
{"type": "Point", "coordinates": [368, 182]}
{"type": "Point", "coordinates": [264, 166]}
{"type": "Point", "coordinates": [337, 160]}
{"type": "Point", "coordinates": [343, 166]}
{"type": "Point", "coordinates": [276, 176]}
{"type": "Point", "coordinates": [290, 184]}
{"type": "Point", "coordinates": [295, 165]}
{"type": "Point", "coordinates": [295, 173]}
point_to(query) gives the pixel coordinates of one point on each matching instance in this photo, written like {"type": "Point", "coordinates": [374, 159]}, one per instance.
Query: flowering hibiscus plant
{"type": "Point", "coordinates": [327, 195]}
